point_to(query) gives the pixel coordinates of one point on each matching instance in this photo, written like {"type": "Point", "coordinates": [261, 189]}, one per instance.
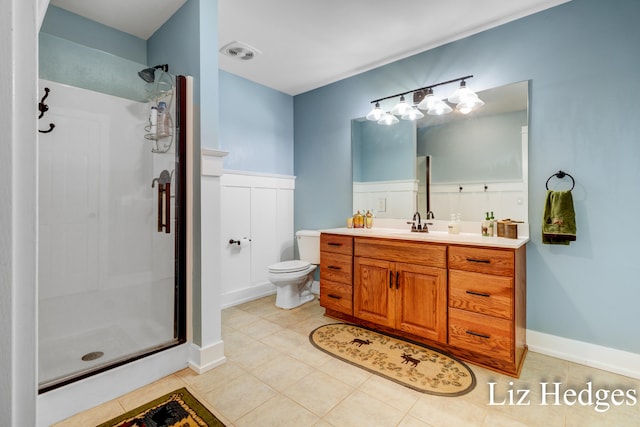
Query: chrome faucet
{"type": "Point", "coordinates": [430, 215]}
{"type": "Point", "coordinates": [418, 227]}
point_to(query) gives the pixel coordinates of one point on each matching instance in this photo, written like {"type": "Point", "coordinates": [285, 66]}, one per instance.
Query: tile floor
{"type": "Point", "coordinates": [275, 377]}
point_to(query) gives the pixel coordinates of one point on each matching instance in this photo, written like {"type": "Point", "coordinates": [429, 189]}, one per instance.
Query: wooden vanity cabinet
{"type": "Point", "coordinates": [401, 285]}
{"type": "Point", "coordinates": [487, 314]}
{"type": "Point", "coordinates": [336, 273]}
{"type": "Point", "coordinates": [467, 300]}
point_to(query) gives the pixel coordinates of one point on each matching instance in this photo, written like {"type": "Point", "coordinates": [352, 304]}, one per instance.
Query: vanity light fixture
{"type": "Point", "coordinates": [412, 114]}
{"type": "Point", "coordinates": [424, 99]}
{"type": "Point", "coordinates": [376, 114]}
{"type": "Point", "coordinates": [388, 119]}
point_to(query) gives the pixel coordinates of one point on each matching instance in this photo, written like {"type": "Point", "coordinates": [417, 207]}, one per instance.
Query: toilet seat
{"type": "Point", "coordinates": [288, 267]}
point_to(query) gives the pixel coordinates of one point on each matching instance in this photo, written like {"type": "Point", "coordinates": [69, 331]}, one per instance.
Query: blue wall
{"type": "Point", "coordinates": [74, 27]}
{"type": "Point", "coordinates": [256, 126]}
{"type": "Point", "coordinates": [83, 53]}
{"type": "Point", "coordinates": [582, 60]}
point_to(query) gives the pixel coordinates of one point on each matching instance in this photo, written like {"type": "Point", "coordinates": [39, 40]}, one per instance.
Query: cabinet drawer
{"type": "Point", "coordinates": [336, 267]}
{"type": "Point", "coordinates": [481, 293]}
{"type": "Point", "coordinates": [336, 243]}
{"type": "Point", "coordinates": [336, 296]}
{"type": "Point", "coordinates": [481, 334]}
{"type": "Point", "coordinates": [428, 254]}
{"type": "Point", "coordinates": [481, 260]}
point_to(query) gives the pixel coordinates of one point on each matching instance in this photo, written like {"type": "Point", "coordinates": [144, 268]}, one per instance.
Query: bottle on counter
{"type": "Point", "coordinates": [492, 226]}
{"type": "Point", "coordinates": [485, 225]}
{"type": "Point", "coordinates": [368, 219]}
{"type": "Point", "coordinates": [454, 226]}
{"type": "Point", "coordinates": [358, 220]}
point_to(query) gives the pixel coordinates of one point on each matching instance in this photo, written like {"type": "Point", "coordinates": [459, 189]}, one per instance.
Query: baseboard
{"type": "Point", "coordinates": [593, 355]}
{"type": "Point", "coordinates": [204, 359]}
{"type": "Point", "coordinates": [247, 294]}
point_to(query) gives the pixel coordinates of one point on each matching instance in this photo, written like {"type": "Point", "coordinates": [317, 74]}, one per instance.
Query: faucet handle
{"type": "Point", "coordinates": [413, 225]}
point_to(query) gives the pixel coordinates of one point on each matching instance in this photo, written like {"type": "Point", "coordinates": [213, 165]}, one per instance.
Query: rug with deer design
{"type": "Point", "coordinates": [413, 365]}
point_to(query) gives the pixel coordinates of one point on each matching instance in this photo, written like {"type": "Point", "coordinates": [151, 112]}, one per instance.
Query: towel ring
{"type": "Point", "coordinates": [560, 175]}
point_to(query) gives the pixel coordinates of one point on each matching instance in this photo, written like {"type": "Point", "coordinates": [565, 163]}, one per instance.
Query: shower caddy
{"type": "Point", "coordinates": [160, 90]}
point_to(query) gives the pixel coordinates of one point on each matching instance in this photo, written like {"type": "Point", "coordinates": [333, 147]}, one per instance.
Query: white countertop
{"type": "Point", "coordinates": [474, 239]}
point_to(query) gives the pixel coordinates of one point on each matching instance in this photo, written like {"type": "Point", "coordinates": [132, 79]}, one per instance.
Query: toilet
{"type": "Point", "coordinates": [293, 279]}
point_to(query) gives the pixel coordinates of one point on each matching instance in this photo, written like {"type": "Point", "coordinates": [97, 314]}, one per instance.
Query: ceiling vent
{"type": "Point", "coordinates": [239, 50]}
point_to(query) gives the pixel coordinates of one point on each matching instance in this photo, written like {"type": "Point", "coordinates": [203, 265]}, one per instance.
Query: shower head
{"type": "Point", "coordinates": [149, 74]}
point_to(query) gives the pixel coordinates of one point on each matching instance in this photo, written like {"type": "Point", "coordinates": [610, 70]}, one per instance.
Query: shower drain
{"type": "Point", "coordinates": [92, 356]}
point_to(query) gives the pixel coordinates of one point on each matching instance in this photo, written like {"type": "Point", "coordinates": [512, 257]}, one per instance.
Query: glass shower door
{"type": "Point", "coordinates": [111, 283]}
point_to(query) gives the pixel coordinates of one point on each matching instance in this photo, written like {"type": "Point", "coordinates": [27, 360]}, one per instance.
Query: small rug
{"type": "Point", "coordinates": [176, 409]}
{"type": "Point", "coordinates": [413, 365]}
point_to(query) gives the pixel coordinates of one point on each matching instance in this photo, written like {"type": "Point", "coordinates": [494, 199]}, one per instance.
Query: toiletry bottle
{"type": "Point", "coordinates": [452, 227]}
{"type": "Point", "coordinates": [153, 122]}
{"type": "Point", "coordinates": [492, 226]}
{"type": "Point", "coordinates": [485, 224]}
{"type": "Point", "coordinates": [368, 219]}
{"type": "Point", "coordinates": [358, 220]}
{"type": "Point", "coordinates": [164, 121]}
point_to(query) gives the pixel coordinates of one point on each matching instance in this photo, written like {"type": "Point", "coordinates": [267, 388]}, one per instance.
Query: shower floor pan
{"type": "Point", "coordinates": [61, 359]}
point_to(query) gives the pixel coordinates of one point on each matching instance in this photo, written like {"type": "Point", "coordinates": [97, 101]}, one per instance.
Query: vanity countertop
{"type": "Point", "coordinates": [473, 239]}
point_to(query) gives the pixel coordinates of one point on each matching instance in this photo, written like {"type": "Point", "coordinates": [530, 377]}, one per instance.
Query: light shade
{"type": "Point", "coordinates": [388, 119]}
{"type": "Point", "coordinates": [412, 114]}
{"type": "Point", "coordinates": [439, 108]}
{"type": "Point", "coordinates": [461, 94]}
{"type": "Point", "coordinates": [401, 107]}
{"type": "Point", "coordinates": [434, 106]}
{"type": "Point", "coordinates": [469, 104]}
{"type": "Point", "coordinates": [375, 114]}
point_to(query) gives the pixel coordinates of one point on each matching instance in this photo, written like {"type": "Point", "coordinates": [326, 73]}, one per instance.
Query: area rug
{"type": "Point", "coordinates": [413, 365]}
{"type": "Point", "coordinates": [176, 409]}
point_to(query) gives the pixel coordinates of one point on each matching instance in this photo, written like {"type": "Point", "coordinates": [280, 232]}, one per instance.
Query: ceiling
{"type": "Point", "coordinates": [306, 44]}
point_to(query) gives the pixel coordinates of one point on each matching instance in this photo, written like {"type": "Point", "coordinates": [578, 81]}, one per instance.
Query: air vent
{"type": "Point", "coordinates": [239, 50]}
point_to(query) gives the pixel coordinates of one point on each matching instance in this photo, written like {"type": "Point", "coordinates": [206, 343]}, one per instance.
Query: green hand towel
{"type": "Point", "coordinates": [559, 220]}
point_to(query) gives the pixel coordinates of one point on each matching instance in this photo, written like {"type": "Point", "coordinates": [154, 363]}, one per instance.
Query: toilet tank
{"type": "Point", "coordinates": [309, 245]}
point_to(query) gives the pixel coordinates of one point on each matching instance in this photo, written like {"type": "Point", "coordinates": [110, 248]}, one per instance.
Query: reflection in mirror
{"type": "Point", "coordinates": [473, 163]}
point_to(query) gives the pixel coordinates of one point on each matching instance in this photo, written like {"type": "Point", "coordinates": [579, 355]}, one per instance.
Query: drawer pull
{"type": "Point", "coordinates": [390, 279]}
{"type": "Point", "coordinates": [479, 294]}
{"type": "Point", "coordinates": [476, 334]}
{"type": "Point", "coordinates": [334, 267]}
{"type": "Point", "coordinates": [334, 244]}
{"type": "Point", "coordinates": [334, 296]}
{"type": "Point", "coordinates": [482, 261]}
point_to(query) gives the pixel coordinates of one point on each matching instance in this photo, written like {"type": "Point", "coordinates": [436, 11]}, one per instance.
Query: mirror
{"type": "Point", "coordinates": [450, 164]}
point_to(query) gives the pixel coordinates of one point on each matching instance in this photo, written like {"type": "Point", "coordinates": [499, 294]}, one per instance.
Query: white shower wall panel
{"type": "Point", "coordinates": [258, 211]}
{"type": "Point", "coordinates": [101, 260]}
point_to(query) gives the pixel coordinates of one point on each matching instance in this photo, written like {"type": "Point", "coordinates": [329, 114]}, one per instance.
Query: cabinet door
{"type": "Point", "coordinates": [421, 301]}
{"type": "Point", "coordinates": [374, 291]}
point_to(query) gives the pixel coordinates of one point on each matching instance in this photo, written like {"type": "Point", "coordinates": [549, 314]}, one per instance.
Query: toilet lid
{"type": "Point", "coordinates": [289, 266]}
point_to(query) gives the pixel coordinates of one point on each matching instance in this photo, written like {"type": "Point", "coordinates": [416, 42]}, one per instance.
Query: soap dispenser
{"type": "Point", "coordinates": [368, 219]}
{"type": "Point", "coordinates": [454, 226]}
{"type": "Point", "coordinates": [358, 220]}
{"type": "Point", "coordinates": [485, 225]}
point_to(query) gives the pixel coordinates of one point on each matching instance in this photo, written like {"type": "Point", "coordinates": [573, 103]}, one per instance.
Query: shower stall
{"type": "Point", "coordinates": [112, 227]}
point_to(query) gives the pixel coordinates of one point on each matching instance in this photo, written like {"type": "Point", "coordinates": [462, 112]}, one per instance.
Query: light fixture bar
{"type": "Point", "coordinates": [422, 88]}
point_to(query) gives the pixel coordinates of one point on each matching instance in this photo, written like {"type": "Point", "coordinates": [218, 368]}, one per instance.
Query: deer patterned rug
{"type": "Point", "coordinates": [412, 365]}
{"type": "Point", "coordinates": [176, 409]}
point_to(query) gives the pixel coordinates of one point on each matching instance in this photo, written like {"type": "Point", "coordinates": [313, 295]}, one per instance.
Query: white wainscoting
{"type": "Point", "coordinates": [386, 199]}
{"type": "Point", "coordinates": [504, 199]}
{"type": "Point", "coordinates": [257, 210]}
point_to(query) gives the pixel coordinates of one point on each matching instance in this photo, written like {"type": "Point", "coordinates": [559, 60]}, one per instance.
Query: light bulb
{"type": "Point", "coordinates": [375, 114]}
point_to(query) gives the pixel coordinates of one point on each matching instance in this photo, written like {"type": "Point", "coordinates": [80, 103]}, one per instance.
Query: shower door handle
{"type": "Point", "coordinates": [164, 207]}
{"type": "Point", "coordinates": [167, 208]}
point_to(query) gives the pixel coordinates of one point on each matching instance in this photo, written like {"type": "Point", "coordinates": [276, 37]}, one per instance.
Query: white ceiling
{"type": "Point", "coordinates": [306, 44]}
